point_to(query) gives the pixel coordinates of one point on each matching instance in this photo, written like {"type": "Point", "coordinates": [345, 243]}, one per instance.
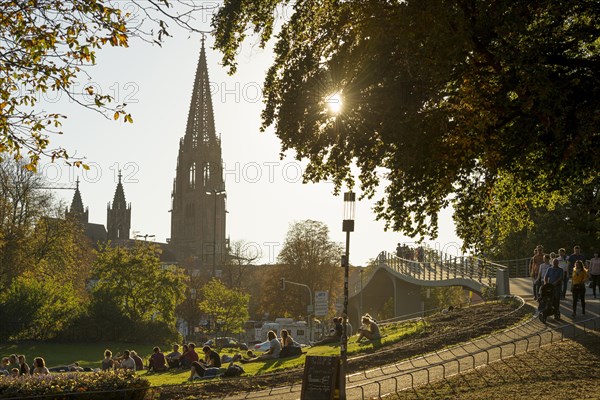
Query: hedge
{"type": "Point", "coordinates": [76, 386]}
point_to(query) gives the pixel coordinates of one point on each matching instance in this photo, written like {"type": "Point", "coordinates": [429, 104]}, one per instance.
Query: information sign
{"type": "Point", "coordinates": [321, 378]}
{"type": "Point", "coordinates": [321, 303]}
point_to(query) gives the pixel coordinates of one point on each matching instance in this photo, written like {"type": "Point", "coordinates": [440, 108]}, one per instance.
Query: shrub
{"type": "Point", "coordinates": [37, 309]}
{"type": "Point", "coordinates": [78, 385]}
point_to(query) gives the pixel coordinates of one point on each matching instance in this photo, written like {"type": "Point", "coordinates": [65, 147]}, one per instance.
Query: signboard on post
{"type": "Point", "coordinates": [321, 303]}
{"type": "Point", "coordinates": [321, 378]}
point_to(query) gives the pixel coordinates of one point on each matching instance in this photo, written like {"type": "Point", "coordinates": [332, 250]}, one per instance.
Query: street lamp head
{"type": "Point", "coordinates": [349, 209]}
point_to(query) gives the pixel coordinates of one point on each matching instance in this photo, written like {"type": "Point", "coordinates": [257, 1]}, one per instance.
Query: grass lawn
{"type": "Point", "coordinates": [91, 354]}
{"type": "Point", "coordinates": [87, 354]}
{"type": "Point", "coordinates": [392, 334]}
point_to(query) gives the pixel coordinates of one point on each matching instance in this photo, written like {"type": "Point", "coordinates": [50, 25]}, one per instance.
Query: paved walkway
{"type": "Point", "coordinates": [527, 336]}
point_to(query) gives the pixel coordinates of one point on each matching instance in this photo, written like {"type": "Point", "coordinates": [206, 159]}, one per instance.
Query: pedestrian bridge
{"type": "Point", "coordinates": [402, 280]}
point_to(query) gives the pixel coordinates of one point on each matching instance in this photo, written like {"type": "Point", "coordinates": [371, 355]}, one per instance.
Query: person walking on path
{"type": "Point", "coordinates": [555, 276]}
{"type": "Point", "coordinates": [534, 268]}
{"type": "Point", "coordinates": [563, 263]}
{"type": "Point", "coordinates": [580, 275]}
{"type": "Point", "coordinates": [577, 255]}
{"type": "Point", "coordinates": [544, 267]}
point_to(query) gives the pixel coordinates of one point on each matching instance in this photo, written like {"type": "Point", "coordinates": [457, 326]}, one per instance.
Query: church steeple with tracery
{"type": "Point", "coordinates": [198, 197]}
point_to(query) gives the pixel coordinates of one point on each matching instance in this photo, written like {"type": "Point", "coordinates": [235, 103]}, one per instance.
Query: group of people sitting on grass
{"type": "Point", "coordinates": [16, 365]}
{"type": "Point", "coordinates": [129, 360]}
{"type": "Point", "coordinates": [368, 330]}
{"type": "Point", "coordinates": [158, 361]}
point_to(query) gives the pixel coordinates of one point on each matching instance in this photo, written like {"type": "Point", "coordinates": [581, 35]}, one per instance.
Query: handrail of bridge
{"type": "Point", "coordinates": [436, 266]}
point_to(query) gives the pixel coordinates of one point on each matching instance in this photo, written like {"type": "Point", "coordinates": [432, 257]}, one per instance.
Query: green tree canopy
{"type": "Point", "coordinates": [574, 220]}
{"type": "Point", "coordinates": [133, 279]}
{"type": "Point", "coordinates": [38, 308]}
{"type": "Point", "coordinates": [229, 307]}
{"type": "Point", "coordinates": [309, 257]}
{"type": "Point", "coordinates": [34, 236]}
{"type": "Point", "coordinates": [482, 105]}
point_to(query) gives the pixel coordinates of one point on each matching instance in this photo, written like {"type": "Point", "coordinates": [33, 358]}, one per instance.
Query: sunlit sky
{"type": "Point", "coordinates": [264, 194]}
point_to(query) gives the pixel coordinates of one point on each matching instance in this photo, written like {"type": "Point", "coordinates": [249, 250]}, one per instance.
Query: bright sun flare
{"type": "Point", "coordinates": [334, 103]}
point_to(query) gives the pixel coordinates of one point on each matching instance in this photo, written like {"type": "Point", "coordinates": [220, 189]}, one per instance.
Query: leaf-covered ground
{"type": "Point", "coordinates": [566, 370]}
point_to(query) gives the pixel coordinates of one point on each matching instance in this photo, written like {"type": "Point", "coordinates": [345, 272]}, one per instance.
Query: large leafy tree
{"type": "Point", "coordinates": [483, 105]}
{"type": "Point", "coordinates": [34, 236]}
{"type": "Point", "coordinates": [133, 279]}
{"type": "Point", "coordinates": [47, 45]}
{"type": "Point", "coordinates": [309, 257]}
{"type": "Point", "coordinates": [574, 220]}
{"type": "Point", "coordinates": [228, 307]}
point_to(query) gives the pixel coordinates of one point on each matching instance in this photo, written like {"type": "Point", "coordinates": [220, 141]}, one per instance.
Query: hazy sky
{"type": "Point", "coordinates": [264, 194]}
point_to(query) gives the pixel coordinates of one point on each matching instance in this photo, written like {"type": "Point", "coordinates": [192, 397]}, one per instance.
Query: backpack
{"type": "Point", "coordinates": [234, 370]}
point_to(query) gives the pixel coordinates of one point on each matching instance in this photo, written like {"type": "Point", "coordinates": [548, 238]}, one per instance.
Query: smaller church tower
{"type": "Point", "coordinates": [77, 212]}
{"type": "Point", "coordinates": [118, 220]}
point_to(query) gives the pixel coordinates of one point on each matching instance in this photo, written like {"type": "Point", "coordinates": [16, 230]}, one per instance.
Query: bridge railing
{"type": "Point", "coordinates": [517, 268]}
{"type": "Point", "coordinates": [436, 266]}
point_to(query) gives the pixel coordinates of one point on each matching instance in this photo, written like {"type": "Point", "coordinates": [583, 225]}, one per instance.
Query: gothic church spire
{"type": "Point", "coordinates": [77, 211]}
{"type": "Point", "coordinates": [198, 198]}
{"type": "Point", "coordinates": [118, 217]}
{"type": "Point", "coordinates": [201, 122]}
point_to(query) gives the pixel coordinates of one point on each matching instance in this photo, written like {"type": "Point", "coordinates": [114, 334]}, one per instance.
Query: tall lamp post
{"type": "Point", "coordinates": [215, 192]}
{"type": "Point", "coordinates": [347, 226]}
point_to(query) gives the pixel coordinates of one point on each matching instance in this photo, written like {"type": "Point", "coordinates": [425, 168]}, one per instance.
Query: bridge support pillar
{"type": "Point", "coordinates": [502, 282]}
{"type": "Point", "coordinates": [395, 297]}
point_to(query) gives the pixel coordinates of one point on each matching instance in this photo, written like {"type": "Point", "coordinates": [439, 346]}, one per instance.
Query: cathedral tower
{"type": "Point", "coordinates": [118, 217]}
{"type": "Point", "coordinates": [198, 197]}
{"type": "Point", "coordinates": [77, 212]}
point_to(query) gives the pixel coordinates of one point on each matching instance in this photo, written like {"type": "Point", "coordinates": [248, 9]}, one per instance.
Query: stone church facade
{"type": "Point", "coordinates": [198, 198]}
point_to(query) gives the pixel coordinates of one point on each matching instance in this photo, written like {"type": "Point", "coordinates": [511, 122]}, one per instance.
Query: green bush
{"type": "Point", "coordinates": [37, 309]}
{"type": "Point", "coordinates": [79, 386]}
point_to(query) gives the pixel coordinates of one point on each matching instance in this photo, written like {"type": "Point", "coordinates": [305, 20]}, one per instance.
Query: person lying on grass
{"type": "Point", "coordinates": [199, 370]}
{"type": "Point", "coordinates": [273, 352]}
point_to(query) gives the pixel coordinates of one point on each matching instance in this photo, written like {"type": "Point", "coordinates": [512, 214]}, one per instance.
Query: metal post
{"type": "Point", "coordinates": [360, 313]}
{"type": "Point", "coordinates": [347, 226]}
{"type": "Point", "coordinates": [344, 346]}
{"type": "Point", "coordinates": [215, 239]}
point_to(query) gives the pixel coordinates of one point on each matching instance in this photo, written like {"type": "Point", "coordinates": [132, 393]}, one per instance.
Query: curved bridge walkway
{"type": "Point", "coordinates": [401, 281]}
{"type": "Point", "coordinates": [439, 269]}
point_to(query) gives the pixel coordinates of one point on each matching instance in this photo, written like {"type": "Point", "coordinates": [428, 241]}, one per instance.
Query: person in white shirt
{"type": "Point", "coordinates": [563, 263]}
{"type": "Point", "coordinates": [544, 267]}
{"type": "Point", "coordinates": [273, 352]}
{"type": "Point", "coordinates": [127, 362]}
